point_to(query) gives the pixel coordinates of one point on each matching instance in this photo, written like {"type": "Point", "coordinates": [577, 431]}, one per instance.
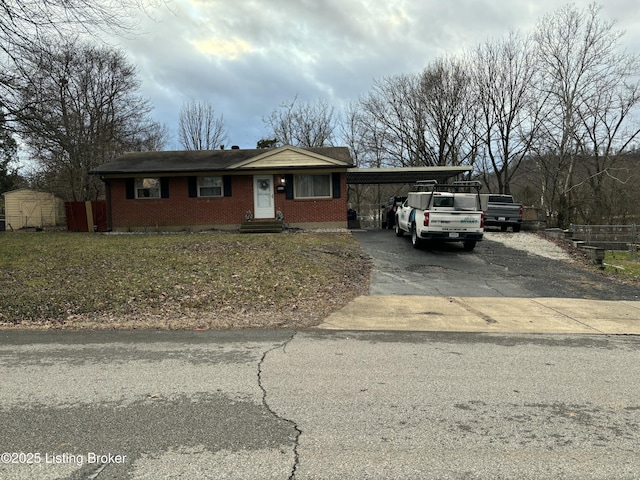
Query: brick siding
{"type": "Point", "coordinates": [181, 211]}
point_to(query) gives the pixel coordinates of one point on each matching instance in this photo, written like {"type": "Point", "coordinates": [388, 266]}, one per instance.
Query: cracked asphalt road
{"type": "Point", "coordinates": [174, 404]}
{"type": "Point", "coordinates": [319, 405]}
{"type": "Point", "coordinates": [265, 403]}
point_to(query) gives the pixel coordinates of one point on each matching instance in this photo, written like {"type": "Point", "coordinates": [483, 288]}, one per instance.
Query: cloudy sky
{"type": "Point", "coordinates": [246, 57]}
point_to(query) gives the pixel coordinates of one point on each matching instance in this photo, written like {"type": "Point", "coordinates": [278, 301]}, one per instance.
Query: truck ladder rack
{"type": "Point", "coordinates": [460, 186]}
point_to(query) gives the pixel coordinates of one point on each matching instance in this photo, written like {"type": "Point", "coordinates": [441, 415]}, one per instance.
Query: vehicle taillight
{"type": "Point", "coordinates": [426, 219]}
{"type": "Point", "coordinates": [482, 220]}
{"type": "Point", "coordinates": [521, 209]}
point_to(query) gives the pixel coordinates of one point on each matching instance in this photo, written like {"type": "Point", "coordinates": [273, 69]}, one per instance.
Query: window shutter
{"type": "Point", "coordinates": [193, 186]}
{"type": "Point", "coordinates": [288, 189]}
{"type": "Point", "coordinates": [335, 179]}
{"type": "Point", "coordinates": [164, 188]}
{"type": "Point", "coordinates": [130, 188]}
{"type": "Point", "coordinates": [226, 185]}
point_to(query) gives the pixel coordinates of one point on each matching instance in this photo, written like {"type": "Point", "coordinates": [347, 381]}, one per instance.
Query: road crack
{"type": "Point", "coordinates": [265, 403]}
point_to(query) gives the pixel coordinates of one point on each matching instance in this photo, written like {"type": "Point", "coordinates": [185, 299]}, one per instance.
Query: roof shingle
{"type": "Point", "coordinates": [191, 161]}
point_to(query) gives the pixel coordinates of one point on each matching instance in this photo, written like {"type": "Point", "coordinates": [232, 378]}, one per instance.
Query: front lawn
{"type": "Point", "coordinates": [176, 281]}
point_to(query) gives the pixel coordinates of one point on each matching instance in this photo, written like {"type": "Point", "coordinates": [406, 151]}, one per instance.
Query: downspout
{"type": "Point", "coordinates": [107, 193]}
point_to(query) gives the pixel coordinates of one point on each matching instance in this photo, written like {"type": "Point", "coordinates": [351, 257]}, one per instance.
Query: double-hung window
{"type": "Point", "coordinates": [147, 187]}
{"type": "Point", "coordinates": [312, 186]}
{"type": "Point", "coordinates": [209, 186]}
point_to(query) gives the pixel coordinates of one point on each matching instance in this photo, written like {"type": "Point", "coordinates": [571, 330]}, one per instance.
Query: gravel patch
{"type": "Point", "coordinates": [531, 243]}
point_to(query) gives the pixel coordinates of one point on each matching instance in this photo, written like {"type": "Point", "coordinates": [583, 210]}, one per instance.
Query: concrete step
{"type": "Point", "coordinates": [261, 226]}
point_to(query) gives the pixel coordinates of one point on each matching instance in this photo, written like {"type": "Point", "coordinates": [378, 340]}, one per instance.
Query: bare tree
{"type": "Point", "coordinates": [423, 119]}
{"type": "Point", "coordinates": [9, 176]}
{"type": "Point", "coordinates": [303, 124]}
{"type": "Point", "coordinates": [76, 106]}
{"type": "Point", "coordinates": [152, 137]}
{"type": "Point", "coordinates": [450, 111]}
{"type": "Point", "coordinates": [199, 128]}
{"type": "Point", "coordinates": [23, 22]}
{"type": "Point", "coordinates": [608, 128]}
{"type": "Point", "coordinates": [585, 78]}
{"type": "Point", "coordinates": [366, 143]}
{"type": "Point", "coordinates": [503, 74]}
{"type": "Point", "coordinates": [26, 25]}
{"type": "Point", "coordinates": [394, 123]}
{"type": "Point", "coordinates": [353, 131]}
{"type": "Point", "coordinates": [366, 138]}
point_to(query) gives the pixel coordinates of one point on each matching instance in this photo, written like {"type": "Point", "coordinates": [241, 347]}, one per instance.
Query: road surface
{"type": "Point", "coordinates": [318, 405]}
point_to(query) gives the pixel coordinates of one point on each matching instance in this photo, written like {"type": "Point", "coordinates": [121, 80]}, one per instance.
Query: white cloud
{"type": "Point", "coordinates": [228, 49]}
{"type": "Point", "coordinates": [246, 56]}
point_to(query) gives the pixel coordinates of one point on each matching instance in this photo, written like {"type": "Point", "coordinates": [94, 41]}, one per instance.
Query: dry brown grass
{"type": "Point", "coordinates": [176, 281]}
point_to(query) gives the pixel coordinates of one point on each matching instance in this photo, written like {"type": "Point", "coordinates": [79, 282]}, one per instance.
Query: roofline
{"type": "Point", "coordinates": [195, 162]}
{"type": "Point", "coordinates": [411, 169]}
{"type": "Point", "coordinates": [402, 175]}
{"type": "Point", "coordinates": [228, 171]}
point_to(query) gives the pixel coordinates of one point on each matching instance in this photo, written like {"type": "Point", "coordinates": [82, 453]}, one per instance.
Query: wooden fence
{"type": "Point", "coordinates": [609, 237]}
{"type": "Point", "coordinates": [86, 216]}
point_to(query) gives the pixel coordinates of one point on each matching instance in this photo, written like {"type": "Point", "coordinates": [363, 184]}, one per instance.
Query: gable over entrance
{"type": "Point", "coordinates": [292, 157]}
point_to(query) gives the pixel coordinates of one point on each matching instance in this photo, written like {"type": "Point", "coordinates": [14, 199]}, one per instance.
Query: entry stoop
{"type": "Point", "coordinates": [261, 226]}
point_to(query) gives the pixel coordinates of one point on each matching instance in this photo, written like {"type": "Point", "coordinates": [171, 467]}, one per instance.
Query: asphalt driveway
{"type": "Point", "coordinates": [491, 270]}
{"type": "Point", "coordinates": [492, 289]}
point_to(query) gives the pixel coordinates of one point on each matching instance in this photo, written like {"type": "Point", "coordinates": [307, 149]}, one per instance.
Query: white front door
{"type": "Point", "coordinates": [263, 196]}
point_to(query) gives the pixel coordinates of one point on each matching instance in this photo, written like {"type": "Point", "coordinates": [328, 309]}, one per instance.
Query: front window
{"type": "Point", "coordinates": [147, 188]}
{"type": "Point", "coordinates": [312, 186]}
{"type": "Point", "coordinates": [209, 186]}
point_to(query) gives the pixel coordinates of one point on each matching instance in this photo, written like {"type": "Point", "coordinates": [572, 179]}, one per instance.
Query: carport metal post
{"type": "Point", "coordinates": [378, 221]}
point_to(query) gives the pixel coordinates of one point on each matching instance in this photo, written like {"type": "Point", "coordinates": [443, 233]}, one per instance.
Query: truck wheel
{"type": "Point", "coordinates": [399, 232]}
{"type": "Point", "coordinates": [469, 245]}
{"type": "Point", "coordinates": [416, 241]}
{"type": "Point", "coordinates": [516, 228]}
{"type": "Point", "coordinates": [503, 228]}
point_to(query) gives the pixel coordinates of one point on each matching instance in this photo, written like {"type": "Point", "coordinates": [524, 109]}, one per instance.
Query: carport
{"type": "Point", "coordinates": [367, 202]}
{"type": "Point", "coordinates": [402, 175]}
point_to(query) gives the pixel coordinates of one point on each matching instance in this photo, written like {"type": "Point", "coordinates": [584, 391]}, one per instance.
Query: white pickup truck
{"type": "Point", "coordinates": [446, 213]}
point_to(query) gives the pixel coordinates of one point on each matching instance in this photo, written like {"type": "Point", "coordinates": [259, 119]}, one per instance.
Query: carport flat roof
{"type": "Point", "coordinates": [403, 174]}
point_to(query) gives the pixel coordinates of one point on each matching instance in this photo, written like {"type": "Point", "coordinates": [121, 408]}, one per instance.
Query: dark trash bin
{"type": "Point", "coordinates": [352, 219]}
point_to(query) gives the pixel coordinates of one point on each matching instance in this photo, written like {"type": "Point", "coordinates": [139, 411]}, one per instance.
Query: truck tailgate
{"type": "Point", "coordinates": [455, 221]}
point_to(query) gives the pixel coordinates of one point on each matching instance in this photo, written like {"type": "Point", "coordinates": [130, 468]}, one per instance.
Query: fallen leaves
{"type": "Point", "coordinates": [204, 281]}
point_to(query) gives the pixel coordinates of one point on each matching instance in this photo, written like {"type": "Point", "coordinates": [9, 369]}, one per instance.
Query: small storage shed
{"type": "Point", "coordinates": [26, 208]}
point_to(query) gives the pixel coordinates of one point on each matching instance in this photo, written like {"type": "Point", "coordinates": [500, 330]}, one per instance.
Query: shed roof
{"type": "Point", "coordinates": [28, 192]}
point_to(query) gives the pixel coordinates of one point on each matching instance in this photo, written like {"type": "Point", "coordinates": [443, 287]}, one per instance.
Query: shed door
{"type": "Point", "coordinates": [263, 196]}
{"type": "Point", "coordinates": [30, 213]}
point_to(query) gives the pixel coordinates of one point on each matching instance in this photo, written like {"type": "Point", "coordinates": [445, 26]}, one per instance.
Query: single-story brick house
{"type": "Point", "coordinates": [197, 190]}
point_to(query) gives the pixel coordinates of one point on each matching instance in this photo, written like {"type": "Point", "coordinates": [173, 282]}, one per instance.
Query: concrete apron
{"type": "Point", "coordinates": [487, 314]}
